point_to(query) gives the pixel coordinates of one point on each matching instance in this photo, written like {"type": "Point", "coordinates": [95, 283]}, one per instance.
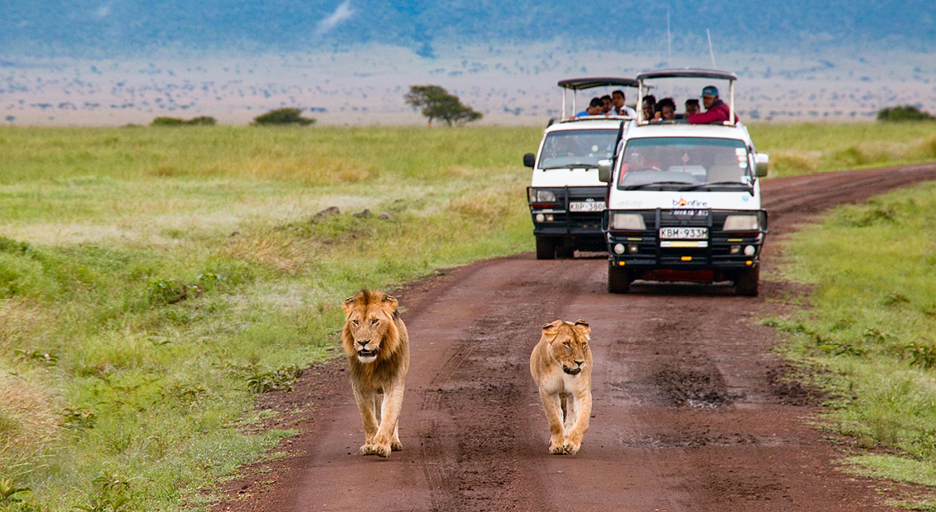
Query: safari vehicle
{"type": "Point", "coordinates": [566, 198]}
{"type": "Point", "coordinates": [684, 201]}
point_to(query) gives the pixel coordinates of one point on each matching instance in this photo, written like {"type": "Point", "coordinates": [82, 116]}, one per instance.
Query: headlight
{"type": "Point", "coordinates": [742, 223]}
{"type": "Point", "coordinates": [628, 221]}
{"type": "Point", "coordinates": [542, 196]}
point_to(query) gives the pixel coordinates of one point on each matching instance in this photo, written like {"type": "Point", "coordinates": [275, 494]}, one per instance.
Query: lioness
{"type": "Point", "coordinates": [377, 345]}
{"type": "Point", "coordinates": [561, 365]}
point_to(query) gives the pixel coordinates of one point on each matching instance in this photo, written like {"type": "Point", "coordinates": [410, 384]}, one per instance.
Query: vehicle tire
{"type": "Point", "coordinates": [619, 279]}
{"type": "Point", "coordinates": [746, 282]}
{"type": "Point", "coordinates": [545, 248]}
{"type": "Point", "coordinates": [565, 251]}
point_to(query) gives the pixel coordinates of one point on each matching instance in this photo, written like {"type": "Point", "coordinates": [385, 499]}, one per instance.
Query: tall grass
{"type": "Point", "coordinates": [808, 148]}
{"type": "Point", "coordinates": [871, 326]}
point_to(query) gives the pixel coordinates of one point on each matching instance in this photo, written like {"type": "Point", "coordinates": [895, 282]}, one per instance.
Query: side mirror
{"type": "Point", "coordinates": [604, 171]}
{"type": "Point", "coordinates": [762, 161]}
{"type": "Point", "coordinates": [529, 160]}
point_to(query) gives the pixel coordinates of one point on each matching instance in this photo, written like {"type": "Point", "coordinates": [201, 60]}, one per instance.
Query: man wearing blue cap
{"type": "Point", "coordinates": [715, 109]}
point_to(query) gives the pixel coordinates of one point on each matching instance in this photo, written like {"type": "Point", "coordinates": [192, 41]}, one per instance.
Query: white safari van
{"type": "Point", "coordinates": [566, 198]}
{"type": "Point", "coordinates": [684, 201]}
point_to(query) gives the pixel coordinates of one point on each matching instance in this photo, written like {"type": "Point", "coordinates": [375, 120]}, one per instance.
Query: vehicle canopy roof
{"type": "Point", "coordinates": [580, 84]}
{"type": "Point", "coordinates": [688, 73]}
{"type": "Point", "coordinates": [577, 84]}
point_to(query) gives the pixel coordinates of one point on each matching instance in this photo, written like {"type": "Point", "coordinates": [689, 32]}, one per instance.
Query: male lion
{"type": "Point", "coordinates": [561, 365]}
{"type": "Point", "coordinates": [377, 345]}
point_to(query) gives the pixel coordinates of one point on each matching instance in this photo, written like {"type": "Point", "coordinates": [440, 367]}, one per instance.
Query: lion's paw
{"type": "Point", "coordinates": [382, 450]}
{"type": "Point", "coordinates": [571, 448]}
{"type": "Point", "coordinates": [367, 449]}
{"type": "Point", "coordinates": [556, 449]}
{"type": "Point", "coordinates": [396, 446]}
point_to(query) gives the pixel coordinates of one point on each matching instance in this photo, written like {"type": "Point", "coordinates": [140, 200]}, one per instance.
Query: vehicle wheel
{"type": "Point", "coordinates": [746, 282]}
{"type": "Point", "coordinates": [619, 280]}
{"type": "Point", "coordinates": [545, 248]}
{"type": "Point", "coordinates": [565, 251]}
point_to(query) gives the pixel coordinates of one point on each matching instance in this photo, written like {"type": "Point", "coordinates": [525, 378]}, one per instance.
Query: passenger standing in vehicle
{"type": "Point", "coordinates": [620, 109]}
{"type": "Point", "coordinates": [692, 107]}
{"type": "Point", "coordinates": [666, 110]}
{"type": "Point", "coordinates": [649, 107]}
{"type": "Point", "coordinates": [606, 108]}
{"type": "Point", "coordinates": [715, 109]}
{"type": "Point", "coordinates": [594, 108]}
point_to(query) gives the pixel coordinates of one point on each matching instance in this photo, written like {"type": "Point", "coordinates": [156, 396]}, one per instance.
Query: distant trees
{"type": "Point", "coordinates": [904, 113]}
{"type": "Point", "coordinates": [437, 103]}
{"type": "Point", "coordinates": [282, 116]}
{"type": "Point", "coordinates": [175, 121]}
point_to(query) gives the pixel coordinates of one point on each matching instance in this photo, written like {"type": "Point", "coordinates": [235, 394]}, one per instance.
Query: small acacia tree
{"type": "Point", "coordinates": [284, 116]}
{"type": "Point", "coordinates": [437, 103]}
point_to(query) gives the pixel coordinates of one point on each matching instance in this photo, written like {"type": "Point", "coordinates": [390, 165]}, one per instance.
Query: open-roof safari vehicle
{"type": "Point", "coordinates": [566, 198]}
{"type": "Point", "coordinates": [684, 200]}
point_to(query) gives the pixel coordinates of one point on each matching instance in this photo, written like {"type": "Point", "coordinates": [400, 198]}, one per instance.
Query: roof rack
{"type": "Point", "coordinates": [714, 74]}
{"type": "Point", "coordinates": [578, 84]}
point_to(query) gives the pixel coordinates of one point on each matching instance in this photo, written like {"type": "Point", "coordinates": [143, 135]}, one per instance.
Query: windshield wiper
{"type": "Point", "coordinates": [717, 184]}
{"type": "Point", "coordinates": [656, 183]}
{"type": "Point", "coordinates": [572, 166]}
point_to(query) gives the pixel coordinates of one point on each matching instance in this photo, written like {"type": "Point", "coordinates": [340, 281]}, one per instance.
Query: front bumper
{"type": "Point", "coordinates": [643, 250]}
{"type": "Point", "coordinates": [556, 219]}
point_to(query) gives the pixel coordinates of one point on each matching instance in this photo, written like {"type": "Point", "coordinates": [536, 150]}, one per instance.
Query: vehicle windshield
{"type": "Point", "coordinates": [577, 148]}
{"type": "Point", "coordinates": [684, 163]}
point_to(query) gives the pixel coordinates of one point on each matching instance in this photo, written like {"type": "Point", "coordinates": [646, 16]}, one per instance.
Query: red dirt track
{"type": "Point", "coordinates": [690, 411]}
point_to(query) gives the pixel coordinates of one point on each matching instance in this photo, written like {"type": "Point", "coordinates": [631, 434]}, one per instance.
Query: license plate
{"type": "Point", "coordinates": [590, 206]}
{"type": "Point", "coordinates": [683, 233]}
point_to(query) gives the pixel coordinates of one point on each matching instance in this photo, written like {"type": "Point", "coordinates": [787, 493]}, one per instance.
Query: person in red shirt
{"type": "Point", "coordinates": [716, 111]}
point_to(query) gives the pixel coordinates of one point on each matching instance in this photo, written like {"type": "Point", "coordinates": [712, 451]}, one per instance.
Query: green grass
{"type": "Point", "coordinates": [152, 280]}
{"type": "Point", "coordinates": [796, 149]}
{"type": "Point", "coordinates": [870, 327]}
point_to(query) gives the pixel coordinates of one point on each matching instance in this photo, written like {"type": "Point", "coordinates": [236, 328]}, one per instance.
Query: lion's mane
{"type": "Point", "coordinates": [393, 355]}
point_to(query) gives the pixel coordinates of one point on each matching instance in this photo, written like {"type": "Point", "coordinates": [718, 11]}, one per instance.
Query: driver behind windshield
{"type": "Point", "coordinates": [683, 160]}
{"type": "Point", "coordinates": [577, 148]}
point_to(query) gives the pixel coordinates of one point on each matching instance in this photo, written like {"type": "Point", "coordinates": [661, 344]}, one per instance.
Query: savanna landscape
{"type": "Point", "coordinates": [156, 281]}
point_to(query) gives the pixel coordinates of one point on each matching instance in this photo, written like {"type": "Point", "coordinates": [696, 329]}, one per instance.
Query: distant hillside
{"type": "Point", "coordinates": [110, 28]}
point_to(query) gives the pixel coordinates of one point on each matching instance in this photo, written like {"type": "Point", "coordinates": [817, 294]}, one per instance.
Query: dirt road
{"type": "Point", "coordinates": [690, 410]}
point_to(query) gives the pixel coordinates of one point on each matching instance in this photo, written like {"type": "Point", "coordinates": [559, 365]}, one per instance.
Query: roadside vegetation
{"type": "Point", "coordinates": [154, 281]}
{"type": "Point", "coordinates": [797, 149]}
{"type": "Point", "coordinates": [868, 336]}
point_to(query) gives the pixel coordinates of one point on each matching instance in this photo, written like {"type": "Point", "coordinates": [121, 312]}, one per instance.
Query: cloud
{"type": "Point", "coordinates": [105, 10]}
{"type": "Point", "coordinates": [341, 14]}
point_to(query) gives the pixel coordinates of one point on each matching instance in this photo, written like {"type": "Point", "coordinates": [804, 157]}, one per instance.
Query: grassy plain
{"type": "Point", "coordinates": [807, 148]}
{"type": "Point", "coordinates": [869, 335]}
{"type": "Point", "coordinates": [153, 280]}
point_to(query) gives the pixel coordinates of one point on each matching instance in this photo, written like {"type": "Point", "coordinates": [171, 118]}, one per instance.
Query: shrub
{"type": "Point", "coordinates": [904, 113]}
{"type": "Point", "coordinates": [284, 116]}
{"type": "Point", "coordinates": [175, 121]}
{"type": "Point", "coordinates": [167, 121]}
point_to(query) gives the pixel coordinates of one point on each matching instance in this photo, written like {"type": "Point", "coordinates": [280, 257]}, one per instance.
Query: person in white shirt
{"type": "Point", "coordinates": [619, 108]}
